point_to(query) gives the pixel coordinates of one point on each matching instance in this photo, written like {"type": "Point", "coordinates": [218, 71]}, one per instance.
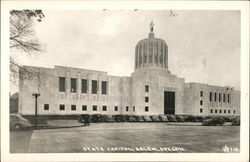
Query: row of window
{"type": "Point", "coordinates": [214, 96]}
{"type": "Point", "coordinates": [94, 108]}
{"type": "Point", "coordinates": [216, 111]}
{"type": "Point", "coordinates": [84, 85]}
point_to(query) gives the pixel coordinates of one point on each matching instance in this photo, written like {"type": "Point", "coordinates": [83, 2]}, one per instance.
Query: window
{"type": "Point", "coordinates": [220, 111]}
{"type": "Point", "coordinates": [61, 84]}
{"type": "Point", "coordinates": [146, 88]}
{"type": "Point", "coordinates": [84, 86]}
{"type": "Point", "coordinates": [219, 97]}
{"type": "Point", "coordinates": [133, 108]}
{"type": "Point", "coordinates": [224, 97]}
{"type": "Point", "coordinates": [104, 108]}
{"type": "Point", "coordinates": [234, 111]}
{"type": "Point", "coordinates": [215, 97]}
{"type": "Point", "coordinates": [210, 96]}
{"type": "Point", "coordinates": [225, 111]}
{"type": "Point", "coordinates": [94, 108]}
{"type": "Point", "coordinates": [216, 111]}
{"type": "Point", "coordinates": [201, 93]}
{"type": "Point", "coordinates": [73, 85]}
{"type": "Point", "coordinates": [46, 106]}
{"type": "Point", "coordinates": [228, 111]}
{"type": "Point", "coordinates": [84, 107]}
{"type": "Point", "coordinates": [126, 108]}
{"type": "Point", "coordinates": [116, 108]}
{"type": "Point", "coordinates": [146, 108]}
{"type": "Point", "coordinates": [228, 98]}
{"type": "Point", "coordinates": [104, 87]}
{"type": "Point", "coordinates": [201, 110]}
{"type": "Point", "coordinates": [62, 107]}
{"type": "Point", "coordinates": [211, 111]}
{"type": "Point", "coordinates": [94, 86]}
{"type": "Point", "coordinates": [73, 107]}
{"type": "Point", "coordinates": [146, 99]}
{"type": "Point", "coordinates": [201, 102]}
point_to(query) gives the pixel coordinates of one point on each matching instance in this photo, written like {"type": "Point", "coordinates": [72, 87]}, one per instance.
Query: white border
{"type": "Point", "coordinates": [243, 6]}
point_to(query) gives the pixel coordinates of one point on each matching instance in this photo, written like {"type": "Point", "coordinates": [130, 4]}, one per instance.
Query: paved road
{"type": "Point", "coordinates": [128, 137]}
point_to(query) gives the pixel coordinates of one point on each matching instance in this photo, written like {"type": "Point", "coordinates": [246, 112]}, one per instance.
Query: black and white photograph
{"type": "Point", "coordinates": [132, 80]}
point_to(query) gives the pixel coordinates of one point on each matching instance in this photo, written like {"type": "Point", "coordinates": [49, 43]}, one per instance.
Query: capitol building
{"type": "Point", "coordinates": [150, 90]}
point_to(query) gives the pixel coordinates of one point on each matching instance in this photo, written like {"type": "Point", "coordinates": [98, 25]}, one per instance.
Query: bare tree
{"type": "Point", "coordinates": [23, 38]}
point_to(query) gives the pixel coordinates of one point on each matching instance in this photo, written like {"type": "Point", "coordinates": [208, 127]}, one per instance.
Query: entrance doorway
{"type": "Point", "coordinates": [169, 102]}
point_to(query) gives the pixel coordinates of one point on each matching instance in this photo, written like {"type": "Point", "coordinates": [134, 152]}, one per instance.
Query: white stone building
{"type": "Point", "coordinates": [150, 90]}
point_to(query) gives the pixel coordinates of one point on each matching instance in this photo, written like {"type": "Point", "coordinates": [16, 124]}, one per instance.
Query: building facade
{"type": "Point", "coordinates": [151, 89]}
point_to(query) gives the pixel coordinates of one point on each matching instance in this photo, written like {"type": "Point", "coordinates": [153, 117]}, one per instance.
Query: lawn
{"type": "Point", "coordinates": [126, 137]}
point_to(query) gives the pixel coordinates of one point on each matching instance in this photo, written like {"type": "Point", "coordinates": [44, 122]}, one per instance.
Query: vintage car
{"type": "Point", "coordinates": [213, 121]}
{"type": "Point", "coordinates": [96, 118]}
{"type": "Point", "coordinates": [139, 118]}
{"type": "Point", "coordinates": [17, 122]}
{"type": "Point", "coordinates": [147, 118]}
{"type": "Point", "coordinates": [180, 118]}
{"type": "Point", "coordinates": [131, 118]}
{"type": "Point", "coordinates": [154, 118]}
{"type": "Point", "coordinates": [236, 122]}
{"type": "Point", "coordinates": [172, 118]}
{"type": "Point", "coordinates": [163, 118]}
{"type": "Point", "coordinates": [119, 118]}
{"type": "Point", "coordinates": [108, 118]}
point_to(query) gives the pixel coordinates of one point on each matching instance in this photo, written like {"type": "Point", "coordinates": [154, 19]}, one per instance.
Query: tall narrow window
{"type": "Point", "coordinates": [216, 111]}
{"type": "Point", "coordinates": [94, 86]}
{"type": "Point", "coordinates": [126, 108]}
{"type": "Point", "coordinates": [219, 97]}
{"type": "Point", "coordinates": [46, 106]}
{"type": "Point", "coordinates": [133, 108]}
{"type": "Point", "coordinates": [234, 111]}
{"type": "Point", "coordinates": [215, 97]}
{"type": "Point", "coordinates": [61, 84]}
{"type": "Point", "coordinates": [201, 93]}
{"type": "Point", "coordinates": [94, 108]}
{"type": "Point", "coordinates": [224, 97]}
{"type": "Point", "coordinates": [73, 107]}
{"type": "Point", "coordinates": [225, 111]}
{"type": "Point", "coordinates": [228, 98]}
{"type": "Point", "coordinates": [84, 86]}
{"type": "Point", "coordinates": [104, 87]}
{"type": "Point", "coordinates": [220, 111]}
{"type": "Point", "coordinates": [201, 110]}
{"type": "Point", "coordinates": [146, 99]}
{"type": "Point", "coordinates": [62, 107]}
{"type": "Point", "coordinates": [104, 108]}
{"type": "Point", "coordinates": [146, 108]}
{"type": "Point", "coordinates": [228, 111]}
{"type": "Point", "coordinates": [73, 85]}
{"type": "Point", "coordinates": [116, 108]}
{"type": "Point", "coordinates": [201, 102]}
{"type": "Point", "coordinates": [146, 88]}
{"type": "Point", "coordinates": [211, 111]}
{"type": "Point", "coordinates": [210, 96]}
{"type": "Point", "coordinates": [84, 107]}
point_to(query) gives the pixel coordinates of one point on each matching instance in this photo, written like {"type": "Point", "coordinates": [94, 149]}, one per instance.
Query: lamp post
{"type": "Point", "coordinates": [36, 95]}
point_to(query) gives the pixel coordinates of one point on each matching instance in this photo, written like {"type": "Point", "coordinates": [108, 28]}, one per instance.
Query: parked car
{"type": "Point", "coordinates": [163, 118]}
{"type": "Point", "coordinates": [139, 118]}
{"type": "Point", "coordinates": [108, 118]}
{"type": "Point", "coordinates": [154, 118]}
{"type": "Point", "coordinates": [200, 118]}
{"type": "Point", "coordinates": [96, 118]}
{"type": "Point", "coordinates": [84, 118]}
{"type": "Point", "coordinates": [131, 118]}
{"type": "Point", "coordinates": [17, 122]}
{"type": "Point", "coordinates": [171, 118]}
{"type": "Point", "coordinates": [119, 118]}
{"type": "Point", "coordinates": [193, 119]}
{"type": "Point", "coordinates": [236, 122]}
{"type": "Point", "coordinates": [213, 121]}
{"type": "Point", "coordinates": [147, 118]}
{"type": "Point", "coordinates": [180, 118]}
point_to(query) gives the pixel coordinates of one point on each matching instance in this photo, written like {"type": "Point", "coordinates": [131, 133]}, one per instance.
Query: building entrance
{"type": "Point", "coordinates": [169, 102]}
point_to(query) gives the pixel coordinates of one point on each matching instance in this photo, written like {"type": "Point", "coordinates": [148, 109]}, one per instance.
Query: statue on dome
{"type": "Point", "coordinates": [152, 26]}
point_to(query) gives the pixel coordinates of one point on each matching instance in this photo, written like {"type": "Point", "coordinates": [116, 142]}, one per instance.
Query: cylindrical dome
{"type": "Point", "coordinates": [151, 53]}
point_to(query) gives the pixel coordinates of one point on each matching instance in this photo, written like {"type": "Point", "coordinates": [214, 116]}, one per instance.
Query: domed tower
{"type": "Point", "coordinates": [151, 52]}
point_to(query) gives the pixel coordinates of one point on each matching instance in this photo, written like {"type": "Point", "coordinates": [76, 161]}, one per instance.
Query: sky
{"type": "Point", "coordinates": [204, 46]}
